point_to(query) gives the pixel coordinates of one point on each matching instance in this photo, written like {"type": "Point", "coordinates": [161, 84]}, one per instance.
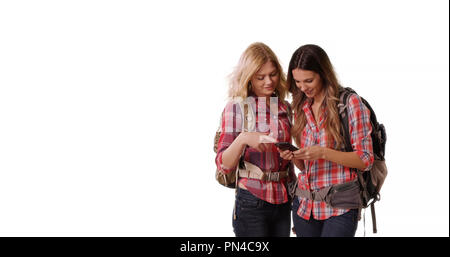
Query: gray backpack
{"type": "Point", "coordinates": [372, 180]}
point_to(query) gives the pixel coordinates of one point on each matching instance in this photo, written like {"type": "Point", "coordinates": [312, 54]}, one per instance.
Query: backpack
{"type": "Point", "coordinates": [249, 122]}
{"type": "Point", "coordinates": [372, 180]}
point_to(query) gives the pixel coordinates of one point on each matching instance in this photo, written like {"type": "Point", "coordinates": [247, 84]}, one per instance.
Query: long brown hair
{"type": "Point", "coordinates": [314, 58]}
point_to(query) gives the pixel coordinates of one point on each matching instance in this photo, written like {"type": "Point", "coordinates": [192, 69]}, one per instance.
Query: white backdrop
{"type": "Point", "coordinates": [108, 109]}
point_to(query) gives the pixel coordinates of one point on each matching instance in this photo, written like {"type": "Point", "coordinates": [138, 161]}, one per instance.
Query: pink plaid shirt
{"type": "Point", "coordinates": [272, 192]}
{"type": "Point", "coordinates": [322, 173]}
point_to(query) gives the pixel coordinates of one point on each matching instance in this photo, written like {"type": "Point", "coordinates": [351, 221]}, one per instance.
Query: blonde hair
{"type": "Point", "coordinates": [314, 58]}
{"type": "Point", "coordinates": [253, 58]}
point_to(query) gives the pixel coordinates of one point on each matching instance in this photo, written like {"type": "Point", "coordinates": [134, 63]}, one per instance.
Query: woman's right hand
{"type": "Point", "coordinates": [258, 140]}
{"type": "Point", "coordinates": [287, 154]}
{"type": "Point", "coordinates": [290, 156]}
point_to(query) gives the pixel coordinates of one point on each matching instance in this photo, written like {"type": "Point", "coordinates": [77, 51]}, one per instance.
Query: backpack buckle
{"type": "Point", "coordinates": [272, 176]}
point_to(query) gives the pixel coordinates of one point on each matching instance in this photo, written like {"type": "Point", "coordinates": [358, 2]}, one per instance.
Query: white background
{"type": "Point", "coordinates": [108, 109]}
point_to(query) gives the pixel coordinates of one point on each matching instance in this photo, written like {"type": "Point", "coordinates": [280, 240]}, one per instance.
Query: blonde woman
{"type": "Point", "coordinates": [262, 206]}
{"type": "Point", "coordinates": [322, 159]}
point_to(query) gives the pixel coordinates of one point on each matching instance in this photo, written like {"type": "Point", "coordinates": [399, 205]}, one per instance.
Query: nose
{"type": "Point", "coordinates": [268, 80]}
{"type": "Point", "coordinates": [303, 88]}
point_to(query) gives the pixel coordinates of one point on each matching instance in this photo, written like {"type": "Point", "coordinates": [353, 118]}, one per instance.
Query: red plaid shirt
{"type": "Point", "coordinates": [322, 173]}
{"type": "Point", "coordinates": [272, 192]}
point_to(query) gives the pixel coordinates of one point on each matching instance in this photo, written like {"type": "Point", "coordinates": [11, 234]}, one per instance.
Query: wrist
{"type": "Point", "coordinates": [324, 153]}
{"type": "Point", "coordinates": [242, 139]}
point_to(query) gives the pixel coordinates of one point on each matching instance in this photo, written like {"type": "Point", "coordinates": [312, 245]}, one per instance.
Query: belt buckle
{"type": "Point", "coordinates": [313, 195]}
{"type": "Point", "coordinates": [274, 176]}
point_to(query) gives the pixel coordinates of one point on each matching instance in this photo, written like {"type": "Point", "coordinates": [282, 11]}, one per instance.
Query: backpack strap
{"type": "Point", "coordinates": [254, 172]}
{"type": "Point", "coordinates": [374, 219]}
{"type": "Point", "coordinates": [248, 116]}
{"type": "Point", "coordinates": [245, 117]}
{"type": "Point", "coordinates": [320, 195]}
{"type": "Point", "coordinates": [343, 114]}
{"type": "Point", "coordinates": [247, 124]}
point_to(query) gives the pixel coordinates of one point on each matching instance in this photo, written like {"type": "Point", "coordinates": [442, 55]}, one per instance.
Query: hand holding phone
{"type": "Point", "coordinates": [286, 146]}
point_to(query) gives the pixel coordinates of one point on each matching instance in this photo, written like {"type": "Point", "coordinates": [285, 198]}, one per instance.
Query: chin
{"type": "Point", "coordinates": [270, 92]}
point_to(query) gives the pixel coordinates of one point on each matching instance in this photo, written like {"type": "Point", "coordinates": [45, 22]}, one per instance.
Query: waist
{"type": "Point", "coordinates": [274, 193]}
{"type": "Point", "coordinates": [314, 181]}
{"type": "Point", "coordinates": [249, 170]}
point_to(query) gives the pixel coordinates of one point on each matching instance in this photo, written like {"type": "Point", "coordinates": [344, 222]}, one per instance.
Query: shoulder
{"type": "Point", "coordinates": [355, 102]}
{"type": "Point", "coordinates": [356, 108]}
{"type": "Point", "coordinates": [349, 97]}
{"type": "Point", "coordinates": [232, 109]}
{"type": "Point", "coordinates": [354, 99]}
{"type": "Point", "coordinates": [231, 105]}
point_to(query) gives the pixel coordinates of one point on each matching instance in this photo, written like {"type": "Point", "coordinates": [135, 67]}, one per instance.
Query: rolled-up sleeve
{"type": "Point", "coordinates": [360, 129]}
{"type": "Point", "coordinates": [230, 128]}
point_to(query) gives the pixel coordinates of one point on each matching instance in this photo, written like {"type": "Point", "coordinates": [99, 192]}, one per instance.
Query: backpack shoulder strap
{"type": "Point", "coordinates": [248, 115]}
{"type": "Point", "coordinates": [343, 114]}
{"type": "Point", "coordinates": [248, 124]}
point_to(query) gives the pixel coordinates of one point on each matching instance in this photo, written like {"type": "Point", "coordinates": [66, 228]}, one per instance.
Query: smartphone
{"type": "Point", "coordinates": [286, 146]}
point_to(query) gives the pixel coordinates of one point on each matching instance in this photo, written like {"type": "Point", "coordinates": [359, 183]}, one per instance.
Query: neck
{"type": "Point", "coordinates": [266, 97]}
{"type": "Point", "coordinates": [319, 98]}
{"type": "Point", "coordinates": [268, 100]}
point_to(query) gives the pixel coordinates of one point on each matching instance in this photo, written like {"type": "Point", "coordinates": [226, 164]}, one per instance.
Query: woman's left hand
{"type": "Point", "coordinates": [314, 152]}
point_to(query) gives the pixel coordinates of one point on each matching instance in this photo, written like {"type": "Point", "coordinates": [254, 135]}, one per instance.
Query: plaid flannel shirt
{"type": "Point", "coordinates": [322, 173]}
{"type": "Point", "coordinates": [270, 160]}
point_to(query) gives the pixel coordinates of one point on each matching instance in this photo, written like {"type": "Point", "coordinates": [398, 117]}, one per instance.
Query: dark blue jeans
{"type": "Point", "coordinates": [340, 226]}
{"type": "Point", "coordinates": [257, 218]}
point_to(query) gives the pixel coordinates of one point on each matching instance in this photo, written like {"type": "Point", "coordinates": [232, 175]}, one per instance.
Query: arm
{"type": "Point", "coordinates": [360, 129]}
{"type": "Point", "coordinates": [257, 140]}
{"type": "Point", "coordinates": [230, 157]}
{"type": "Point", "coordinates": [348, 159]}
{"type": "Point", "coordinates": [231, 143]}
{"type": "Point", "coordinates": [230, 122]}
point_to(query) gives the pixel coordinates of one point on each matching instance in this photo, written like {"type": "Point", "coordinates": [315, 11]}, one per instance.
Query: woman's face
{"type": "Point", "coordinates": [308, 82]}
{"type": "Point", "coordinates": [265, 80]}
